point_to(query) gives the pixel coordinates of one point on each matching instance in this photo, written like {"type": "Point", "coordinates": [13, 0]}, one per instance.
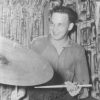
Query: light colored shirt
{"type": "Point", "coordinates": [69, 62]}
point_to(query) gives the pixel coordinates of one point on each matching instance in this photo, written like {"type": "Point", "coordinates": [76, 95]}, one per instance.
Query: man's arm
{"type": "Point", "coordinates": [81, 72]}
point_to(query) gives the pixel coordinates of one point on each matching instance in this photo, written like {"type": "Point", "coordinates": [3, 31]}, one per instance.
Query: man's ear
{"type": "Point", "coordinates": [71, 25]}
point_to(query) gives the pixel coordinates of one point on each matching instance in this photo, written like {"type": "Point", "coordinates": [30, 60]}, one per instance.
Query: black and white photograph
{"type": "Point", "coordinates": [49, 49]}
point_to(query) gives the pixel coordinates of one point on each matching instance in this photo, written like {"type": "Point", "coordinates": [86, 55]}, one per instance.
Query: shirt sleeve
{"type": "Point", "coordinates": [37, 45]}
{"type": "Point", "coordinates": [81, 72]}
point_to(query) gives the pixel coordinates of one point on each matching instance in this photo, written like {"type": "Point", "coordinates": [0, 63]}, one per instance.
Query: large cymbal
{"type": "Point", "coordinates": [22, 66]}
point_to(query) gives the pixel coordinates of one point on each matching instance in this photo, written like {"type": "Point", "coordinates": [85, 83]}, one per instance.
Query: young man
{"type": "Point", "coordinates": [66, 58]}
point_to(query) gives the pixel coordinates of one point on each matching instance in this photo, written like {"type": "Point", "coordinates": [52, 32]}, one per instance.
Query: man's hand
{"type": "Point", "coordinates": [72, 88]}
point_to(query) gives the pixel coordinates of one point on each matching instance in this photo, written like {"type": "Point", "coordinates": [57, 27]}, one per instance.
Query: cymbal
{"type": "Point", "coordinates": [22, 66]}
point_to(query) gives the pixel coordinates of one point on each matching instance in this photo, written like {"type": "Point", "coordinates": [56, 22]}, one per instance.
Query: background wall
{"type": "Point", "coordinates": [21, 20]}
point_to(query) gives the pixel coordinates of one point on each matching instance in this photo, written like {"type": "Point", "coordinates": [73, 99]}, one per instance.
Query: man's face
{"type": "Point", "coordinates": [59, 25]}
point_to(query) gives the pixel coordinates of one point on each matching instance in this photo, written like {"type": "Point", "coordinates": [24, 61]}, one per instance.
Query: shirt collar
{"type": "Point", "coordinates": [69, 43]}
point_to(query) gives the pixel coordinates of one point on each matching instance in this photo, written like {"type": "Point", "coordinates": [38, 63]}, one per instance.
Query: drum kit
{"type": "Point", "coordinates": [20, 66]}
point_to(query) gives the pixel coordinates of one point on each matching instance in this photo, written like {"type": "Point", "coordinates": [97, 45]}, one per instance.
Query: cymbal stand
{"type": "Point", "coordinates": [14, 95]}
{"type": "Point", "coordinates": [1, 92]}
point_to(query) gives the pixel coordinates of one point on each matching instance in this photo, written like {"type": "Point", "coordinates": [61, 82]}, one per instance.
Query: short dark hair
{"type": "Point", "coordinates": [66, 10]}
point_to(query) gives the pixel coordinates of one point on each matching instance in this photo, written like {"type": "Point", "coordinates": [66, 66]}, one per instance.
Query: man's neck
{"type": "Point", "coordinates": [60, 42]}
